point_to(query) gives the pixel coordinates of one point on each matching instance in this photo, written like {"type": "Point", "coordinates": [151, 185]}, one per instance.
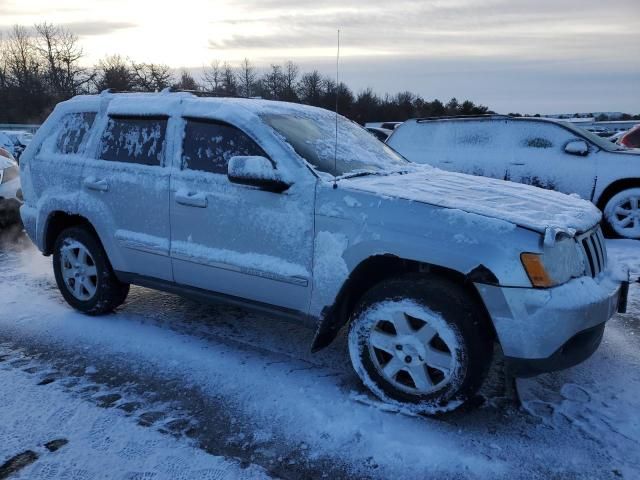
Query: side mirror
{"type": "Point", "coordinates": [256, 172]}
{"type": "Point", "coordinates": [577, 147]}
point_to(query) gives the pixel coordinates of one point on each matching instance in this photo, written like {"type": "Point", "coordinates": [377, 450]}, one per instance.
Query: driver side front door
{"type": "Point", "coordinates": [232, 239]}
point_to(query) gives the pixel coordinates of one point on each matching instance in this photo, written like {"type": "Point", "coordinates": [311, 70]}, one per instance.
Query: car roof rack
{"type": "Point", "coordinates": [462, 117]}
{"type": "Point", "coordinates": [196, 93]}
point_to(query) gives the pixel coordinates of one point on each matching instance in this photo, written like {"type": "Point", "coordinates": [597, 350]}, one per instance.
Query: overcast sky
{"type": "Point", "coordinates": [546, 56]}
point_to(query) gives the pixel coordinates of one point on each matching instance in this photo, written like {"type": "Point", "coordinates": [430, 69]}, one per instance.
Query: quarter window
{"type": "Point", "coordinates": [73, 133]}
{"type": "Point", "coordinates": [209, 145]}
{"type": "Point", "coordinates": [134, 140]}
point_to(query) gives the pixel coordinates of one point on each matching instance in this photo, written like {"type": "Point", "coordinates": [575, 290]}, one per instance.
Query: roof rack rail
{"type": "Point", "coordinates": [197, 93]}
{"type": "Point", "coordinates": [458, 117]}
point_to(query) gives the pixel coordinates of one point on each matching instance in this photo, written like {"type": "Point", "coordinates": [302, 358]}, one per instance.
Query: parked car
{"type": "Point", "coordinates": [380, 133]}
{"type": "Point", "coordinates": [250, 202]}
{"type": "Point", "coordinates": [631, 139]}
{"type": "Point", "coordinates": [13, 141]}
{"type": "Point", "coordinates": [9, 189]}
{"type": "Point", "coordinates": [617, 136]}
{"type": "Point", "coordinates": [546, 153]}
{"type": "Point", "coordinates": [390, 125]}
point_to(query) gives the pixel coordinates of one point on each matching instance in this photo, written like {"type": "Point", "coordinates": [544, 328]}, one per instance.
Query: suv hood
{"type": "Point", "coordinates": [524, 205]}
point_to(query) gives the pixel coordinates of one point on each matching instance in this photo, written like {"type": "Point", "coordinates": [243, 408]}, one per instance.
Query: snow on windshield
{"type": "Point", "coordinates": [312, 134]}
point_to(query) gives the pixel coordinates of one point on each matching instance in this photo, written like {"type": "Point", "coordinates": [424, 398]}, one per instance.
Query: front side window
{"type": "Point", "coordinates": [134, 140]}
{"type": "Point", "coordinates": [209, 145]}
{"type": "Point", "coordinates": [72, 135]}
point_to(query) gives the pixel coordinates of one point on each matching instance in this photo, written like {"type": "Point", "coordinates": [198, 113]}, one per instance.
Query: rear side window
{"type": "Point", "coordinates": [208, 146]}
{"type": "Point", "coordinates": [134, 140]}
{"type": "Point", "coordinates": [73, 132]}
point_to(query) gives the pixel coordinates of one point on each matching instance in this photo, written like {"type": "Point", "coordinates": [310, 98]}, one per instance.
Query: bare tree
{"type": "Point", "coordinates": [310, 88]}
{"type": "Point", "coordinates": [113, 72]}
{"type": "Point", "coordinates": [229, 83]}
{"type": "Point", "coordinates": [247, 78]}
{"type": "Point", "coordinates": [289, 79]}
{"type": "Point", "coordinates": [61, 56]}
{"type": "Point", "coordinates": [151, 77]}
{"type": "Point", "coordinates": [212, 76]}
{"type": "Point", "coordinates": [273, 83]}
{"type": "Point", "coordinates": [186, 82]}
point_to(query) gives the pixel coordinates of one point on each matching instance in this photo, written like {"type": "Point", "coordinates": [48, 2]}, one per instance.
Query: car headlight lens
{"type": "Point", "coordinates": [556, 265]}
{"type": "Point", "coordinates": [9, 174]}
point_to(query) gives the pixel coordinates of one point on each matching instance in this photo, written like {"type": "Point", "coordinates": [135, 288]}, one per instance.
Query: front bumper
{"type": "Point", "coordinates": [541, 330]}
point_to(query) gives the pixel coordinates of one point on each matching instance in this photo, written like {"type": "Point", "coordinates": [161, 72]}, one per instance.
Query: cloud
{"type": "Point", "coordinates": [91, 28]}
{"type": "Point", "coordinates": [458, 27]}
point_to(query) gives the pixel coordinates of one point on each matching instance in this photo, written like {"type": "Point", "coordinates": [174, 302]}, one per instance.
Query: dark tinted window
{"type": "Point", "coordinates": [208, 146]}
{"type": "Point", "coordinates": [73, 133]}
{"type": "Point", "coordinates": [134, 140]}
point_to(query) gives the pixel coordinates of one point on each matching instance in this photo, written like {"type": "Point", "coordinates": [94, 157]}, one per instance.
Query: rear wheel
{"type": "Point", "coordinates": [421, 343]}
{"type": "Point", "coordinates": [84, 275]}
{"type": "Point", "coordinates": [622, 214]}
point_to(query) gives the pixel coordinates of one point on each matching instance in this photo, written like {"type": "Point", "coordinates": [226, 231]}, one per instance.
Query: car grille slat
{"type": "Point", "coordinates": [594, 251]}
{"type": "Point", "coordinates": [589, 254]}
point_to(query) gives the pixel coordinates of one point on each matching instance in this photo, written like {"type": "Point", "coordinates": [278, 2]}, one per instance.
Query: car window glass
{"type": "Point", "coordinates": [209, 145]}
{"type": "Point", "coordinates": [72, 135]}
{"type": "Point", "coordinates": [134, 140]}
{"type": "Point", "coordinates": [538, 137]}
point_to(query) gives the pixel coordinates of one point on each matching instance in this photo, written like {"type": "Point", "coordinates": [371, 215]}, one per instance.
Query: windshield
{"type": "Point", "coordinates": [313, 136]}
{"type": "Point", "coordinates": [600, 142]}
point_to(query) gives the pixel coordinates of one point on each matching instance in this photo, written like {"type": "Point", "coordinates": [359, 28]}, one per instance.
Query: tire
{"type": "Point", "coordinates": [622, 214]}
{"type": "Point", "coordinates": [431, 332]}
{"type": "Point", "coordinates": [84, 275]}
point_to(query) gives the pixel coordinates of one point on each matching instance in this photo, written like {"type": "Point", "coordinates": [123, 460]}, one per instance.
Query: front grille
{"type": "Point", "coordinates": [594, 251]}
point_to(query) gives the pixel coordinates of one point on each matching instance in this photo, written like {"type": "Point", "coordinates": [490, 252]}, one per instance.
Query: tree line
{"type": "Point", "coordinates": [42, 66]}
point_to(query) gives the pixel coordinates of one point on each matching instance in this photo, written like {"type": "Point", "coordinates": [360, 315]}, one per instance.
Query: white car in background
{"type": "Point", "coordinates": [546, 153]}
{"type": "Point", "coordinates": [9, 189]}
{"type": "Point", "coordinates": [15, 141]}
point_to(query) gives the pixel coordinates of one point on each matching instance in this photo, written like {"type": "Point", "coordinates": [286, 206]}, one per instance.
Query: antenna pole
{"type": "Point", "coordinates": [335, 150]}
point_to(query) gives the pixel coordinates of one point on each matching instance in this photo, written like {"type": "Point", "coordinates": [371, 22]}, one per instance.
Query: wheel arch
{"type": "Point", "coordinates": [614, 188]}
{"type": "Point", "coordinates": [59, 220]}
{"type": "Point", "coordinates": [377, 268]}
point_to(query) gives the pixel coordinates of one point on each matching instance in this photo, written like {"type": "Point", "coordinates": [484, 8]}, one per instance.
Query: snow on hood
{"type": "Point", "coordinates": [523, 205]}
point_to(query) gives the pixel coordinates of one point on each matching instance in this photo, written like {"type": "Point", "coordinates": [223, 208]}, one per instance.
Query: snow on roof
{"type": "Point", "coordinates": [163, 102]}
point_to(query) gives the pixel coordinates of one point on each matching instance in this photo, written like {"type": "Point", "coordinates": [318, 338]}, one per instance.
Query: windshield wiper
{"type": "Point", "coordinates": [364, 173]}
{"type": "Point", "coordinates": [361, 173]}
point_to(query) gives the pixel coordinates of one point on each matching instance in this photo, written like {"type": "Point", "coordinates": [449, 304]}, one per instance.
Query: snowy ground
{"type": "Point", "coordinates": [168, 388]}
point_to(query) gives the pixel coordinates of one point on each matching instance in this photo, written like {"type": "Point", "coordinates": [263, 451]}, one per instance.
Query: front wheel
{"type": "Point", "coordinates": [622, 213]}
{"type": "Point", "coordinates": [420, 343]}
{"type": "Point", "coordinates": [83, 273]}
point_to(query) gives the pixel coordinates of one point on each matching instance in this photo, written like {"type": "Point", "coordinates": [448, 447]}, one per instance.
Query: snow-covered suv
{"type": "Point", "coordinates": [254, 202]}
{"type": "Point", "coordinates": [546, 153]}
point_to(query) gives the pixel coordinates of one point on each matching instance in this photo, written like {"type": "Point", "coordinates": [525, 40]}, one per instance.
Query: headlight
{"type": "Point", "coordinates": [556, 265]}
{"type": "Point", "coordinates": [9, 174]}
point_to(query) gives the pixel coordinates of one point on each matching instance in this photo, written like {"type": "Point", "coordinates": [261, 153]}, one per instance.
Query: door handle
{"type": "Point", "coordinates": [192, 199]}
{"type": "Point", "coordinates": [91, 183]}
{"type": "Point", "coordinates": [517, 164]}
